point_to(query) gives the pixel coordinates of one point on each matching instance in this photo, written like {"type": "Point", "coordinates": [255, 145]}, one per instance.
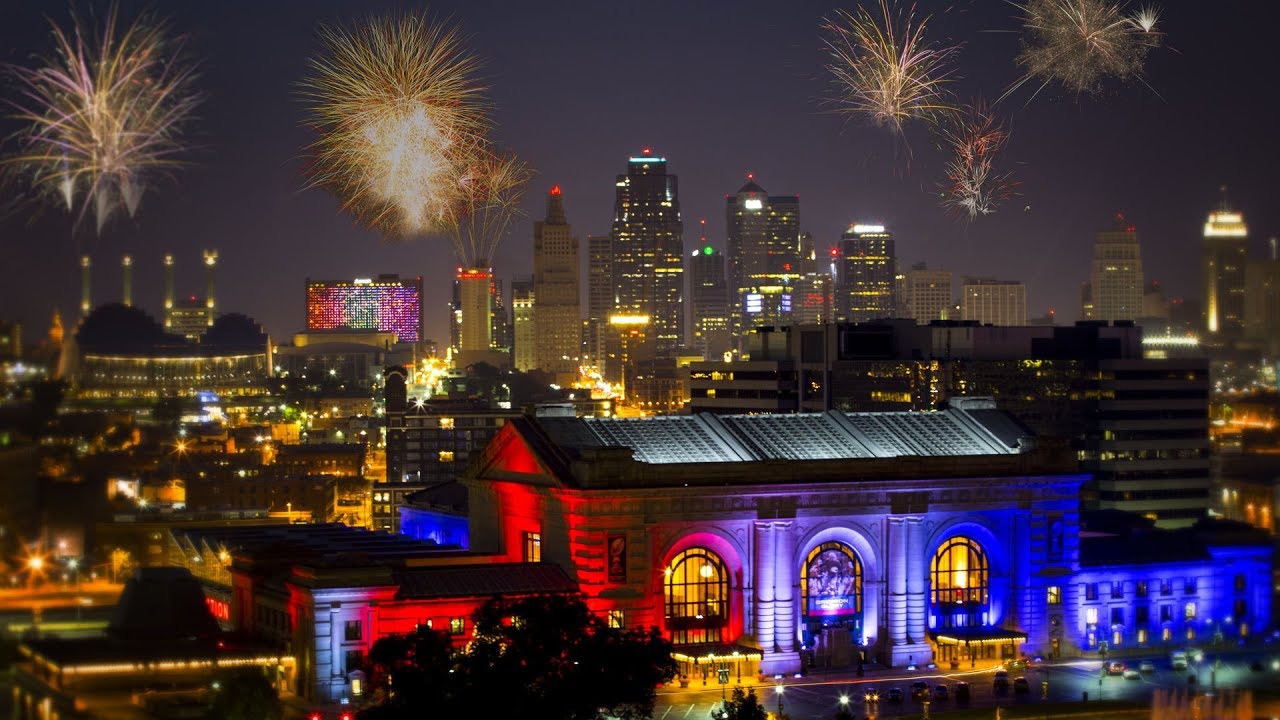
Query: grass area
{"type": "Point", "coordinates": [1097, 710]}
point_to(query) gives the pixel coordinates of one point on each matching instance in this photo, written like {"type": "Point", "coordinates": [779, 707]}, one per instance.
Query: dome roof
{"type": "Point", "coordinates": [234, 332]}
{"type": "Point", "coordinates": [118, 328]}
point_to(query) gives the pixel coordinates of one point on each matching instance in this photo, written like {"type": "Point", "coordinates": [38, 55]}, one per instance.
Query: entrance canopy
{"type": "Point", "coordinates": [979, 636]}
{"type": "Point", "coordinates": [711, 654]}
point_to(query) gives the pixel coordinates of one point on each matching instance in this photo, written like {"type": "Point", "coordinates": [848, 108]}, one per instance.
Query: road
{"type": "Point", "coordinates": [811, 698]}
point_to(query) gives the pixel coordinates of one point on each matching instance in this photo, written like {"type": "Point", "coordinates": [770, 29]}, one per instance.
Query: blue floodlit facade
{"type": "Point", "coordinates": [828, 539]}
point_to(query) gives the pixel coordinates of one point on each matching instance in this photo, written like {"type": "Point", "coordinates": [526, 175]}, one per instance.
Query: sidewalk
{"type": "Point", "coordinates": [872, 673]}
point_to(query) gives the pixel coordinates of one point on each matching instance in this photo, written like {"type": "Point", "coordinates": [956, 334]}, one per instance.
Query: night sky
{"type": "Point", "coordinates": [720, 89]}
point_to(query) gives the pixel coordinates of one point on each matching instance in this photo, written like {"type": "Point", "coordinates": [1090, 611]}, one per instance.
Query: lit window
{"type": "Point", "coordinates": [1142, 636]}
{"type": "Point", "coordinates": [532, 547]}
{"type": "Point", "coordinates": [446, 423]}
{"type": "Point", "coordinates": [1189, 612]}
{"type": "Point", "coordinates": [446, 456]}
{"type": "Point", "coordinates": [457, 626]}
{"type": "Point", "coordinates": [616, 619]}
{"type": "Point", "coordinates": [1091, 616]}
{"type": "Point", "coordinates": [696, 586]}
{"type": "Point", "coordinates": [1166, 635]}
{"type": "Point", "coordinates": [1055, 594]}
{"type": "Point", "coordinates": [959, 576]}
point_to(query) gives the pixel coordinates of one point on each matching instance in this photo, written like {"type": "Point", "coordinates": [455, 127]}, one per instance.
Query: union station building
{"type": "Point", "coordinates": [777, 542]}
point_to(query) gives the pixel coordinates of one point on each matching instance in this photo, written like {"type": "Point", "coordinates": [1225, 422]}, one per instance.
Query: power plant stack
{"type": "Point", "coordinates": [85, 303]}
{"type": "Point", "coordinates": [210, 264]}
{"type": "Point", "coordinates": [126, 271]}
{"type": "Point", "coordinates": [168, 292]}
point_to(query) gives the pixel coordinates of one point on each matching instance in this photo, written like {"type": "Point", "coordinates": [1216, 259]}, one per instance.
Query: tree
{"type": "Point", "coordinates": [744, 706]}
{"type": "Point", "coordinates": [545, 657]}
{"type": "Point", "coordinates": [245, 694]}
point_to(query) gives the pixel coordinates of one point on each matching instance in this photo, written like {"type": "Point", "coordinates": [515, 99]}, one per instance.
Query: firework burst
{"type": "Point", "coordinates": [1083, 43]}
{"type": "Point", "coordinates": [103, 115]}
{"type": "Point", "coordinates": [883, 68]}
{"type": "Point", "coordinates": [491, 190]}
{"type": "Point", "coordinates": [401, 118]}
{"type": "Point", "coordinates": [975, 137]}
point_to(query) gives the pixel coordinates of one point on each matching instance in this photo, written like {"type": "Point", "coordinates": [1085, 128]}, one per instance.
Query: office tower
{"type": "Point", "coordinates": [1155, 306]}
{"type": "Point", "coordinates": [523, 332]}
{"type": "Point", "coordinates": [813, 298]}
{"type": "Point", "coordinates": [168, 291]}
{"type": "Point", "coordinates": [501, 338]}
{"type": "Point", "coordinates": [648, 250]}
{"type": "Point", "coordinates": [210, 266]}
{"type": "Point", "coordinates": [557, 311]}
{"type": "Point", "coordinates": [928, 294]}
{"type": "Point", "coordinates": [1115, 278]}
{"type": "Point", "coordinates": [600, 294]}
{"type": "Point", "coordinates": [475, 308]}
{"type": "Point", "coordinates": [988, 301]}
{"type": "Point", "coordinates": [126, 277]}
{"type": "Point", "coordinates": [865, 282]}
{"type": "Point", "coordinates": [86, 304]}
{"type": "Point", "coordinates": [1262, 305]}
{"type": "Point", "coordinates": [763, 248]}
{"type": "Point", "coordinates": [712, 335]}
{"type": "Point", "coordinates": [1225, 252]}
{"type": "Point", "coordinates": [386, 304]}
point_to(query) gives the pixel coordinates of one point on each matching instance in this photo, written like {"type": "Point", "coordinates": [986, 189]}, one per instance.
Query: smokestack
{"type": "Point", "coordinates": [1274, 255]}
{"type": "Point", "coordinates": [85, 303]}
{"type": "Point", "coordinates": [210, 264]}
{"type": "Point", "coordinates": [168, 291]}
{"type": "Point", "coordinates": [126, 269]}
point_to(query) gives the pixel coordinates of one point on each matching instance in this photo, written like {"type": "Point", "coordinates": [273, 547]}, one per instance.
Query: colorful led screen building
{"type": "Point", "coordinates": [385, 304]}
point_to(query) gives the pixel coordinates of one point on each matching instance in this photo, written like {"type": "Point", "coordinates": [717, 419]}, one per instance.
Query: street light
{"type": "Point", "coordinates": [780, 690]}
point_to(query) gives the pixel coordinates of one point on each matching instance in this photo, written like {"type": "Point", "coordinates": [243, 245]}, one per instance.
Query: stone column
{"type": "Point", "coordinates": [785, 587]}
{"type": "Point", "coordinates": [917, 581]}
{"type": "Point", "coordinates": [897, 581]}
{"type": "Point", "coordinates": [764, 580]}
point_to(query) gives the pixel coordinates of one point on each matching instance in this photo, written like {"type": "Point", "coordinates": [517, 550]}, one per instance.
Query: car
{"type": "Point", "coordinates": [1195, 654]}
{"type": "Point", "coordinates": [1001, 682]}
{"type": "Point", "coordinates": [1115, 668]}
{"type": "Point", "coordinates": [1131, 674]}
{"type": "Point", "coordinates": [871, 695]}
{"type": "Point", "coordinates": [1178, 660]}
{"type": "Point", "coordinates": [1016, 665]}
{"type": "Point", "coordinates": [919, 690]}
{"type": "Point", "coordinates": [1021, 686]}
{"type": "Point", "coordinates": [941, 692]}
{"type": "Point", "coordinates": [962, 692]}
{"type": "Point", "coordinates": [895, 695]}
{"type": "Point", "coordinates": [1146, 667]}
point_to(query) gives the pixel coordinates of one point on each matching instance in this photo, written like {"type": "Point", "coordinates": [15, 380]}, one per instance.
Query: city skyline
{"type": "Point", "coordinates": [242, 194]}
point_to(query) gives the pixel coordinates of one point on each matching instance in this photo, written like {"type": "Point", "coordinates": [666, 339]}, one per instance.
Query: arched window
{"type": "Point", "coordinates": [831, 582]}
{"type": "Point", "coordinates": [960, 583]}
{"type": "Point", "coordinates": [697, 597]}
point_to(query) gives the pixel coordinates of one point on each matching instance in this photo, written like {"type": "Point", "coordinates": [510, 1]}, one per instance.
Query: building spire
{"type": "Point", "coordinates": [555, 207]}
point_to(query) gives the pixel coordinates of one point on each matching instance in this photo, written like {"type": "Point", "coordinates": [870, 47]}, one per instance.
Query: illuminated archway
{"type": "Point", "coordinates": [831, 582]}
{"type": "Point", "coordinates": [960, 584]}
{"type": "Point", "coordinates": [696, 588]}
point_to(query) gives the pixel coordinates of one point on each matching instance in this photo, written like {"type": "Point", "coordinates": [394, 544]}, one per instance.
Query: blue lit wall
{"type": "Point", "coordinates": [432, 526]}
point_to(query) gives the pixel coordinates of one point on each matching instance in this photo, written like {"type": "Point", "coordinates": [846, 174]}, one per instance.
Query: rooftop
{"type": "Point", "coordinates": [484, 580]}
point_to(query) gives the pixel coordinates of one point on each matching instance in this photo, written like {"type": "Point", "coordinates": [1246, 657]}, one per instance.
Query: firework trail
{"type": "Point", "coordinates": [103, 115]}
{"type": "Point", "coordinates": [884, 69]}
{"type": "Point", "coordinates": [973, 187]}
{"type": "Point", "coordinates": [401, 118]}
{"type": "Point", "coordinates": [1083, 43]}
{"type": "Point", "coordinates": [491, 190]}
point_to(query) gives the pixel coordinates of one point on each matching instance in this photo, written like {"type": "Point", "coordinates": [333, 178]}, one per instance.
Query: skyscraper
{"type": "Point", "coordinates": [865, 279]}
{"type": "Point", "coordinates": [648, 250]}
{"type": "Point", "coordinates": [763, 243]}
{"type": "Point", "coordinates": [557, 309]}
{"type": "Point", "coordinates": [523, 333]}
{"type": "Point", "coordinates": [1116, 279]}
{"type": "Point", "coordinates": [600, 294]}
{"type": "Point", "coordinates": [1225, 251]}
{"type": "Point", "coordinates": [993, 302]}
{"type": "Point", "coordinates": [712, 336]}
{"type": "Point", "coordinates": [928, 294]}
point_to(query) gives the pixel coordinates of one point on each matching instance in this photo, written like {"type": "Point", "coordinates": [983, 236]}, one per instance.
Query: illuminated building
{"type": "Point", "coordinates": [812, 538]}
{"type": "Point", "coordinates": [121, 353]}
{"type": "Point", "coordinates": [523, 334]}
{"type": "Point", "coordinates": [648, 250]}
{"type": "Point", "coordinates": [126, 276]}
{"type": "Point", "coordinates": [383, 304]}
{"type": "Point", "coordinates": [988, 301]}
{"type": "Point", "coordinates": [557, 310]}
{"type": "Point", "coordinates": [763, 249]}
{"type": "Point", "coordinates": [865, 277]}
{"type": "Point", "coordinates": [1140, 424]}
{"type": "Point", "coordinates": [10, 341]}
{"type": "Point", "coordinates": [475, 314]}
{"type": "Point", "coordinates": [188, 318]}
{"type": "Point", "coordinates": [1225, 250]}
{"type": "Point", "coordinates": [600, 294]}
{"type": "Point", "coordinates": [329, 592]}
{"type": "Point", "coordinates": [712, 333]}
{"type": "Point", "coordinates": [502, 338]}
{"type": "Point", "coordinates": [1116, 279]}
{"type": "Point", "coordinates": [628, 341]}
{"type": "Point", "coordinates": [927, 294]}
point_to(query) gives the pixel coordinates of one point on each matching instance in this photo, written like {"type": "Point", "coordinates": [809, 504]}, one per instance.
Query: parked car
{"type": "Point", "coordinates": [1001, 682]}
{"type": "Point", "coordinates": [1178, 660]}
{"type": "Point", "coordinates": [871, 695]}
{"type": "Point", "coordinates": [919, 690]}
{"type": "Point", "coordinates": [962, 691]}
{"type": "Point", "coordinates": [1146, 667]}
{"type": "Point", "coordinates": [1115, 668]}
{"type": "Point", "coordinates": [941, 692]}
{"type": "Point", "coordinates": [1131, 674]}
{"type": "Point", "coordinates": [1021, 686]}
{"type": "Point", "coordinates": [895, 695]}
